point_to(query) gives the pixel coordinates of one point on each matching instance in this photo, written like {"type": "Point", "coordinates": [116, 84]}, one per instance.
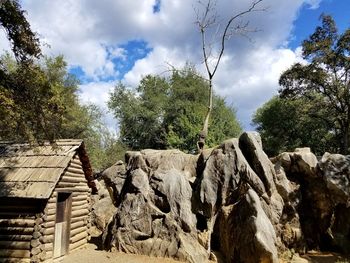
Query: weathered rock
{"type": "Point", "coordinates": [305, 160]}
{"type": "Point", "coordinates": [250, 144]}
{"type": "Point", "coordinates": [228, 188]}
{"type": "Point", "coordinates": [154, 216]}
{"type": "Point", "coordinates": [322, 209]}
{"type": "Point", "coordinates": [102, 209]}
{"type": "Point", "coordinates": [335, 169]}
{"type": "Point", "coordinates": [246, 233]}
{"type": "Point", "coordinates": [232, 199]}
{"type": "Point", "coordinates": [114, 178]}
{"type": "Point", "coordinates": [258, 160]}
{"type": "Point", "coordinates": [169, 203]}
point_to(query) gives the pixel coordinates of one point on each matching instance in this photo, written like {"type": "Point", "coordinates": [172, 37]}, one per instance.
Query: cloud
{"type": "Point", "coordinates": [313, 4]}
{"type": "Point", "coordinates": [248, 84]}
{"type": "Point", "coordinates": [94, 36]}
{"type": "Point", "coordinates": [4, 43]}
{"type": "Point", "coordinates": [98, 93]}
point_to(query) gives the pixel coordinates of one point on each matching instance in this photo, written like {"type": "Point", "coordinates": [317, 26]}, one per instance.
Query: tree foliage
{"type": "Point", "coordinates": [25, 43]}
{"type": "Point", "coordinates": [168, 112]}
{"type": "Point", "coordinates": [39, 98]}
{"type": "Point", "coordinates": [325, 78]}
{"type": "Point", "coordinates": [38, 101]}
{"type": "Point", "coordinates": [27, 114]}
{"type": "Point", "coordinates": [286, 124]}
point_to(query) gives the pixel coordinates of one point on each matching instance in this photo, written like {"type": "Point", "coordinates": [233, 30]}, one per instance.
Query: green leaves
{"type": "Point", "coordinates": [25, 44]}
{"type": "Point", "coordinates": [286, 124]}
{"type": "Point", "coordinates": [169, 112]}
{"type": "Point", "coordinates": [325, 78]}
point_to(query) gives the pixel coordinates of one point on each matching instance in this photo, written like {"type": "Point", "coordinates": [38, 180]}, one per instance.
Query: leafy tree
{"type": "Point", "coordinates": [38, 99]}
{"type": "Point", "coordinates": [140, 113]}
{"type": "Point", "coordinates": [25, 44]}
{"type": "Point", "coordinates": [286, 124]}
{"type": "Point", "coordinates": [26, 104]}
{"type": "Point", "coordinates": [47, 107]}
{"type": "Point", "coordinates": [167, 112]}
{"type": "Point", "coordinates": [325, 78]}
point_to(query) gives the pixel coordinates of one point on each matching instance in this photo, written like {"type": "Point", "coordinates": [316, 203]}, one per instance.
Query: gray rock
{"type": "Point", "coordinates": [114, 178]}
{"type": "Point", "coordinates": [258, 160]}
{"type": "Point", "coordinates": [226, 182]}
{"type": "Point", "coordinates": [335, 169]}
{"type": "Point", "coordinates": [247, 234]}
{"type": "Point", "coordinates": [231, 198]}
{"type": "Point", "coordinates": [102, 208]}
{"type": "Point", "coordinates": [154, 216]}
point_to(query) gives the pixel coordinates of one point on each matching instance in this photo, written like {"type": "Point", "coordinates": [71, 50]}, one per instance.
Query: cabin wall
{"type": "Point", "coordinates": [19, 226]}
{"type": "Point", "coordinates": [72, 181]}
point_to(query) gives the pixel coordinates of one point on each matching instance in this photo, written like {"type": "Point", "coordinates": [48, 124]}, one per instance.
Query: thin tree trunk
{"type": "Point", "coordinates": [204, 132]}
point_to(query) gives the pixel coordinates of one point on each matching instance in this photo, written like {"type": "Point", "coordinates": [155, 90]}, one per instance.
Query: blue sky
{"type": "Point", "coordinates": [308, 19]}
{"type": "Point", "coordinates": [108, 41]}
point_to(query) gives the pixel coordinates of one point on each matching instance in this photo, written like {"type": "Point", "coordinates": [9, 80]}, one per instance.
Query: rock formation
{"type": "Point", "coordinates": [321, 199]}
{"type": "Point", "coordinates": [232, 199]}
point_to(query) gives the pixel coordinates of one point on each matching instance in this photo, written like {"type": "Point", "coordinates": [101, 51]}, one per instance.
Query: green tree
{"type": "Point", "coordinates": [168, 112]}
{"type": "Point", "coordinates": [47, 107]}
{"type": "Point", "coordinates": [325, 78]}
{"type": "Point", "coordinates": [25, 43]}
{"type": "Point", "coordinates": [38, 98]}
{"type": "Point", "coordinates": [286, 124]}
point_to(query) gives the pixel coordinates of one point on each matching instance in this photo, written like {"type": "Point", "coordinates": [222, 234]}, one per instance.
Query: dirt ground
{"type": "Point", "coordinates": [318, 257]}
{"type": "Point", "coordinates": [91, 254]}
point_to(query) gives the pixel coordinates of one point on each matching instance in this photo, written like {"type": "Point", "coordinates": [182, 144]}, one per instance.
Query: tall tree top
{"type": "Point", "coordinates": [25, 44]}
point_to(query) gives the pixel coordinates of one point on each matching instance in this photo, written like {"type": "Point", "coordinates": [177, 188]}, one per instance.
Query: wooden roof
{"type": "Point", "coordinates": [33, 172]}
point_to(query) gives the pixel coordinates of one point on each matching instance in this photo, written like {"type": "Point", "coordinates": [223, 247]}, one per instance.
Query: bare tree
{"type": "Point", "coordinates": [206, 20]}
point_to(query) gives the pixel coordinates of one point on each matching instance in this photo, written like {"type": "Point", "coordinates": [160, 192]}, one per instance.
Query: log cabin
{"type": "Point", "coordinates": [45, 197]}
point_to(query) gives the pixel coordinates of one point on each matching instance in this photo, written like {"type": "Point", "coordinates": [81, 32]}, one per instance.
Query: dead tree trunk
{"type": "Point", "coordinates": [204, 22]}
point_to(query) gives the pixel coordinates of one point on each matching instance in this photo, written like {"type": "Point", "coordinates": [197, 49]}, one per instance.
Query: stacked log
{"type": "Point", "coordinates": [15, 238]}
{"type": "Point", "coordinates": [44, 230]}
{"type": "Point", "coordinates": [42, 248]}
{"type": "Point", "coordinates": [74, 181]}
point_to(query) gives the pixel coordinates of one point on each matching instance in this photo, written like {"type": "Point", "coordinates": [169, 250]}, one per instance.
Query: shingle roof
{"type": "Point", "coordinates": [33, 172]}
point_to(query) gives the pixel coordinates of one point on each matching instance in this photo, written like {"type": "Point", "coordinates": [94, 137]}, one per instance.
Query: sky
{"type": "Point", "coordinates": [110, 41]}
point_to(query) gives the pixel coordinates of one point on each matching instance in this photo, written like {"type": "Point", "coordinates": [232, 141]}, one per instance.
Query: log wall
{"type": "Point", "coordinates": [73, 180]}
{"type": "Point", "coordinates": [27, 227]}
{"type": "Point", "coordinates": [18, 227]}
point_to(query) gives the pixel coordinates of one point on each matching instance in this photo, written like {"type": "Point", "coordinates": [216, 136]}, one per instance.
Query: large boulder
{"type": "Point", "coordinates": [335, 169]}
{"type": "Point", "coordinates": [318, 210]}
{"type": "Point", "coordinates": [232, 199]}
{"type": "Point", "coordinates": [103, 209]}
{"type": "Point", "coordinates": [173, 204]}
{"type": "Point", "coordinates": [154, 215]}
{"type": "Point", "coordinates": [228, 190]}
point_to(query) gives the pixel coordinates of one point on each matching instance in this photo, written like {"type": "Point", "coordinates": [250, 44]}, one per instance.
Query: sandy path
{"type": "Point", "coordinates": [90, 254]}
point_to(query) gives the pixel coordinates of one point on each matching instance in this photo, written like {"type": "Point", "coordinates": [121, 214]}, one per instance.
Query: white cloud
{"type": "Point", "coordinates": [4, 43]}
{"type": "Point", "coordinates": [89, 34]}
{"type": "Point", "coordinates": [98, 93]}
{"type": "Point", "coordinates": [158, 61]}
{"type": "Point", "coordinates": [314, 4]}
{"type": "Point", "coordinates": [248, 84]}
